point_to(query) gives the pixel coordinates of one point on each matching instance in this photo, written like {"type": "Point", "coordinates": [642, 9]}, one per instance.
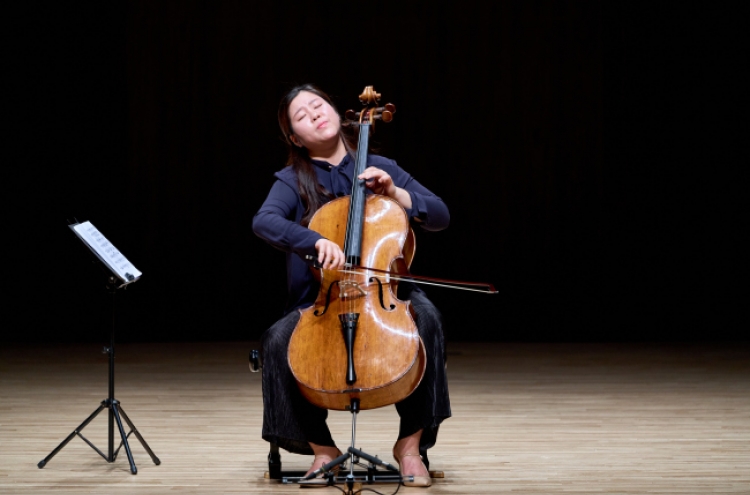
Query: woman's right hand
{"type": "Point", "coordinates": [330, 255]}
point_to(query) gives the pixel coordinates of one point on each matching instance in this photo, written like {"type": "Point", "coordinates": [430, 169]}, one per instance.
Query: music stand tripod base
{"type": "Point", "coordinates": [116, 413]}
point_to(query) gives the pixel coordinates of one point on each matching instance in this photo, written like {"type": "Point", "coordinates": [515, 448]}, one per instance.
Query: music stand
{"type": "Point", "coordinates": [122, 274]}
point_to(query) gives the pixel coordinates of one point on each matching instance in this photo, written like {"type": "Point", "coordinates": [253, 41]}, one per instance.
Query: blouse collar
{"type": "Point", "coordinates": [327, 166]}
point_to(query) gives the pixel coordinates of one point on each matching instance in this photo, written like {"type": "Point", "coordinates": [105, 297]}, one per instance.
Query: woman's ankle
{"type": "Point", "coordinates": [407, 445]}
{"type": "Point", "coordinates": [325, 450]}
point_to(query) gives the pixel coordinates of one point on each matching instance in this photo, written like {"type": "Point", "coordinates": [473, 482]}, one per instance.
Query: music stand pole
{"type": "Point", "coordinates": [116, 413]}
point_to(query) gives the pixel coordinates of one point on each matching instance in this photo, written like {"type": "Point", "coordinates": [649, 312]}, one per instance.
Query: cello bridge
{"type": "Point", "coordinates": [350, 290]}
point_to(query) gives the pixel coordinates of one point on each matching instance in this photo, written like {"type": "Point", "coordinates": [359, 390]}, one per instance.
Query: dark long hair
{"type": "Point", "coordinates": [312, 193]}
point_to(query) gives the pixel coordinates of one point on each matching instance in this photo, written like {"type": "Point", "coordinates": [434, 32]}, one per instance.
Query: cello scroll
{"type": "Point", "coordinates": [373, 113]}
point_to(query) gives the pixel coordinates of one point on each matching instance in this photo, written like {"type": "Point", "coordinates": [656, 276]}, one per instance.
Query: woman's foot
{"type": "Point", "coordinates": [406, 453]}
{"type": "Point", "coordinates": [323, 455]}
{"type": "Point", "coordinates": [412, 465]}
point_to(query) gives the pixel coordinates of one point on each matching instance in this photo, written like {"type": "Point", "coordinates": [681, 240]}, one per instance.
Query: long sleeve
{"type": "Point", "coordinates": [431, 212]}
{"type": "Point", "coordinates": [276, 222]}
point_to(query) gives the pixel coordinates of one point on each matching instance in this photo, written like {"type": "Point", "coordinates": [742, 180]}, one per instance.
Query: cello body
{"type": "Point", "coordinates": [386, 353]}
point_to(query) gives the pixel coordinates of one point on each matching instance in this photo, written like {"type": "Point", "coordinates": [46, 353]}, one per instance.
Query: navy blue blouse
{"type": "Point", "coordinates": [278, 220]}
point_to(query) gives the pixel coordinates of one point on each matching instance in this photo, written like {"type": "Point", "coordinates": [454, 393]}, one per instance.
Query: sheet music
{"type": "Point", "coordinates": [117, 263]}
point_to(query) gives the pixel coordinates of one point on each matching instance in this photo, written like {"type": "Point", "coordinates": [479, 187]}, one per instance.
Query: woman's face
{"type": "Point", "coordinates": [315, 123]}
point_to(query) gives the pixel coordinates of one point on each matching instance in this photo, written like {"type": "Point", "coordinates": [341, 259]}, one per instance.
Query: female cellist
{"type": "Point", "coordinates": [319, 168]}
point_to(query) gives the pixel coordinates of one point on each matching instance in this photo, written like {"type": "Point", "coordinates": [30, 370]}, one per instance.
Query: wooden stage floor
{"type": "Point", "coordinates": [527, 418]}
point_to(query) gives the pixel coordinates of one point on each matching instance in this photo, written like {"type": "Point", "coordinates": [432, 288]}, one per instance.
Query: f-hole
{"type": "Point", "coordinates": [380, 294]}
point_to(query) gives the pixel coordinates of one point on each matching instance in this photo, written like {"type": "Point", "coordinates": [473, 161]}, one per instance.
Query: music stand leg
{"type": "Point", "coordinates": [138, 435]}
{"type": "Point", "coordinates": [124, 437]}
{"type": "Point", "coordinates": [77, 431]}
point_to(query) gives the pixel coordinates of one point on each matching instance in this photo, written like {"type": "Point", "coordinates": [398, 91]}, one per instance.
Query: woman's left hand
{"type": "Point", "coordinates": [379, 182]}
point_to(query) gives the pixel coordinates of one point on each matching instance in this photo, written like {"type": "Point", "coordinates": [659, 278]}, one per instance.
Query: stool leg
{"type": "Point", "coordinates": [425, 460]}
{"type": "Point", "coordinates": [274, 462]}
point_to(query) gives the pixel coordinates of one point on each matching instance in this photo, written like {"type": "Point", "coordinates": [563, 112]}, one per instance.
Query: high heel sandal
{"type": "Point", "coordinates": [421, 481]}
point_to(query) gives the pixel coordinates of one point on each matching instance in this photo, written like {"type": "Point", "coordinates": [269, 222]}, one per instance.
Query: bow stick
{"type": "Point", "coordinates": [417, 279]}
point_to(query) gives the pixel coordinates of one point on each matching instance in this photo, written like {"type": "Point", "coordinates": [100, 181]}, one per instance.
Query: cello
{"type": "Point", "coordinates": [358, 343]}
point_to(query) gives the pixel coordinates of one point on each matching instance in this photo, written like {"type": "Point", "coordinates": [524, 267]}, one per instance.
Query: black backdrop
{"type": "Point", "coordinates": [587, 152]}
